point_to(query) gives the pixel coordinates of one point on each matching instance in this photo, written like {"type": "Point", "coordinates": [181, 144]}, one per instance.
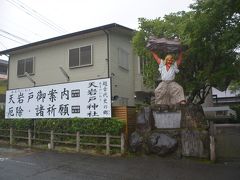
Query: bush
{"type": "Point", "coordinates": [84, 126]}
{"type": "Point", "coordinates": [17, 124]}
{"type": "Point", "coordinates": [237, 109]}
{"type": "Point", "coordinates": [2, 113]}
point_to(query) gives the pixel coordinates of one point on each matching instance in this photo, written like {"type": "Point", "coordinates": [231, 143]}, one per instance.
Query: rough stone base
{"type": "Point", "coordinates": [159, 142]}
{"type": "Point", "coordinates": [195, 143]}
{"type": "Point", "coordinates": [179, 130]}
{"type": "Point", "coordinates": [163, 143]}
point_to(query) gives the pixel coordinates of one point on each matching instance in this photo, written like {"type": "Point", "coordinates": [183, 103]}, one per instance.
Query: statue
{"type": "Point", "coordinates": [168, 91]}
{"type": "Point", "coordinates": [167, 128]}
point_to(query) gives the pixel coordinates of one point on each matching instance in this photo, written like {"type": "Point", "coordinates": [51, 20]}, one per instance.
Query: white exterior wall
{"type": "Point", "coordinates": [139, 85]}
{"type": "Point", "coordinates": [122, 80]}
{"type": "Point", "coordinates": [48, 59]}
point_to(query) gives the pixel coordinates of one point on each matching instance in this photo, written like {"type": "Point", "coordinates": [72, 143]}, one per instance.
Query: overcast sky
{"type": "Point", "coordinates": [26, 21]}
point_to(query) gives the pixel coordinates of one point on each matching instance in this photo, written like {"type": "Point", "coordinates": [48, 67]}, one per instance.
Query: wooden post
{"type": "Point", "coordinates": [29, 138]}
{"type": "Point", "coordinates": [107, 144]}
{"type": "Point", "coordinates": [11, 136]}
{"type": "Point", "coordinates": [212, 142]}
{"type": "Point", "coordinates": [211, 129]}
{"type": "Point", "coordinates": [122, 143]}
{"type": "Point", "coordinates": [52, 140]}
{"type": "Point", "coordinates": [77, 141]}
{"type": "Point", "coordinates": [212, 149]}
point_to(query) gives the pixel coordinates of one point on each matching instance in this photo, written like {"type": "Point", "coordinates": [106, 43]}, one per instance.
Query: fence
{"type": "Point", "coordinates": [224, 141]}
{"type": "Point", "coordinates": [128, 115]}
{"type": "Point", "coordinates": [54, 139]}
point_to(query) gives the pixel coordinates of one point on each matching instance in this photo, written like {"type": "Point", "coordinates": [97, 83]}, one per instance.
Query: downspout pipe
{"type": "Point", "coordinates": [108, 61]}
{"type": "Point", "coordinates": [8, 70]}
{"type": "Point", "coordinates": [108, 65]}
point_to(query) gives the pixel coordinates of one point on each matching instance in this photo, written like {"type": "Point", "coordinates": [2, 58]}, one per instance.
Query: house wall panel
{"type": "Point", "coordinates": [122, 79]}
{"type": "Point", "coordinates": [48, 59]}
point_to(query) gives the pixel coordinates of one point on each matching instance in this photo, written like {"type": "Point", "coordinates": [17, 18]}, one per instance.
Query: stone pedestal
{"type": "Point", "coordinates": [177, 130]}
{"type": "Point", "coordinates": [144, 121]}
{"type": "Point", "coordinates": [162, 143]}
{"type": "Point", "coordinates": [195, 143]}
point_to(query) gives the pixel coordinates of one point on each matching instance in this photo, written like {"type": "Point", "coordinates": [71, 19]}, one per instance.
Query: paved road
{"type": "Point", "coordinates": [16, 164]}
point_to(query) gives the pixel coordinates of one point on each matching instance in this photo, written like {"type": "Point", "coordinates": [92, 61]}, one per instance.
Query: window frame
{"type": "Point", "coordinates": [25, 63]}
{"type": "Point", "coordinates": [123, 64]}
{"type": "Point", "coordinates": [79, 56]}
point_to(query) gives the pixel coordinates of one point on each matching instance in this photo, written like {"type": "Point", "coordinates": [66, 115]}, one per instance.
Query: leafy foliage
{"type": "Point", "coordinates": [235, 86]}
{"type": "Point", "coordinates": [214, 38]}
{"type": "Point", "coordinates": [2, 113]}
{"type": "Point", "coordinates": [211, 33]}
{"type": "Point", "coordinates": [237, 109]}
{"type": "Point", "coordinates": [3, 86]}
{"type": "Point", "coordinates": [84, 126]}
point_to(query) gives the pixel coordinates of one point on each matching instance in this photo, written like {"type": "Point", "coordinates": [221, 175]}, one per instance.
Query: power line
{"type": "Point", "coordinates": [15, 36]}
{"type": "Point", "coordinates": [3, 45]}
{"type": "Point", "coordinates": [11, 39]}
{"type": "Point", "coordinates": [20, 26]}
{"type": "Point", "coordinates": [34, 14]}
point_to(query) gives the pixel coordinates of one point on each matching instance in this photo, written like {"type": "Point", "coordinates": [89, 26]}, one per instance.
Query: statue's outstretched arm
{"type": "Point", "coordinates": [157, 59]}
{"type": "Point", "coordinates": [179, 60]}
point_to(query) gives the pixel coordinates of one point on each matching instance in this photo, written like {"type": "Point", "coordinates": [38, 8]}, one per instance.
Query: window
{"type": "Point", "coordinates": [3, 69]}
{"type": "Point", "coordinates": [79, 57]}
{"type": "Point", "coordinates": [123, 59]}
{"type": "Point", "coordinates": [141, 64]}
{"type": "Point", "coordinates": [25, 65]}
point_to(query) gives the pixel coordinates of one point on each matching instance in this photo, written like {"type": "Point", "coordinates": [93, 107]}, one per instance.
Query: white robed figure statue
{"type": "Point", "coordinates": [168, 92]}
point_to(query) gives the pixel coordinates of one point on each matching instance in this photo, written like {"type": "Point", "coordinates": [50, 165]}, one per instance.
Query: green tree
{"type": "Point", "coordinates": [210, 31]}
{"type": "Point", "coordinates": [235, 84]}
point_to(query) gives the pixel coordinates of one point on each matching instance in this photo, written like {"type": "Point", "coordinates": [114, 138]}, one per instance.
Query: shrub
{"type": "Point", "coordinates": [237, 109]}
{"type": "Point", "coordinates": [84, 126]}
{"type": "Point", "coordinates": [16, 123]}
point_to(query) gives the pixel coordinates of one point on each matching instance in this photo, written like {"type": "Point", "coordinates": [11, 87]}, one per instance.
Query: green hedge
{"type": "Point", "coordinates": [84, 126]}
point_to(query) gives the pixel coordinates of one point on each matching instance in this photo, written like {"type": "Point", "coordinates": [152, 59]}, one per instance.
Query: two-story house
{"type": "Point", "coordinates": [101, 52]}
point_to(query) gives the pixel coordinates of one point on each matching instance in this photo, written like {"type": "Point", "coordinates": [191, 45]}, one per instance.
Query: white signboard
{"type": "Point", "coordinates": [86, 99]}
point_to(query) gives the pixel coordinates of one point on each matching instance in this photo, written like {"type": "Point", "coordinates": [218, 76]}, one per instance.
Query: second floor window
{"type": "Point", "coordinates": [79, 57]}
{"type": "Point", "coordinates": [25, 65]}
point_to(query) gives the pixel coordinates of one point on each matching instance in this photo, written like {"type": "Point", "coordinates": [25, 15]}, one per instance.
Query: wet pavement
{"type": "Point", "coordinates": [26, 164]}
